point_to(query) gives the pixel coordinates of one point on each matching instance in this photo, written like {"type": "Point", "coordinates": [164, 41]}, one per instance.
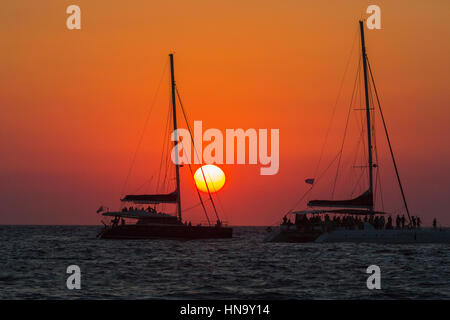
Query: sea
{"type": "Point", "coordinates": [34, 261]}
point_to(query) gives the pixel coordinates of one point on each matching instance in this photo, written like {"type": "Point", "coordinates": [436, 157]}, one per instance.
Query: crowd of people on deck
{"type": "Point", "coordinates": [133, 209]}
{"type": "Point", "coordinates": [355, 222]}
{"type": "Point", "coordinates": [115, 222]}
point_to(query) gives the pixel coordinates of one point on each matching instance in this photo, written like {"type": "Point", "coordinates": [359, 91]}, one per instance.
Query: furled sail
{"type": "Point", "coordinates": [363, 201]}
{"type": "Point", "coordinates": [151, 198]}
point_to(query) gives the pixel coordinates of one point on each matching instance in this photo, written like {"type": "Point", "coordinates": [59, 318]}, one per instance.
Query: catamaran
{"type": "Point", "coordinates": [142, 209]}
{"type": "Point", "coordinates": [356, 220]}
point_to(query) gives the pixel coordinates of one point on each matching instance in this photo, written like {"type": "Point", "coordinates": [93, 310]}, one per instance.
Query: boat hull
{"type": "Point", "coordinates": [393, 236]}
{"type": "Point", "coordinates": [180, 232]}
{"type": "Point", "coordinates": [386, 236]}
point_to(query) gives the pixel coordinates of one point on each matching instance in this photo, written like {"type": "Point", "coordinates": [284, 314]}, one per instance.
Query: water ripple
{"type": "Point", "coordinates": [34, 259]}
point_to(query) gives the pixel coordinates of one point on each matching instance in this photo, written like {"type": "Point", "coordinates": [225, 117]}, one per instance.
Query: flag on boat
{"type": "Point", "coordinates": [310, 181]}
{"type": "Point", "coordinates": [100, 209]}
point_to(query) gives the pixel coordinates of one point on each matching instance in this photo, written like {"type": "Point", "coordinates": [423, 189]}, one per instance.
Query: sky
{"type": "Point", "coordinates": [74, 102]}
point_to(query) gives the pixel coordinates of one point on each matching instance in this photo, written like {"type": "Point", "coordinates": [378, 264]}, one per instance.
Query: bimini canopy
{"type": "Point", "coordinates": [151, 198]}
{"type": "Point", "coordinates": [364, 201]}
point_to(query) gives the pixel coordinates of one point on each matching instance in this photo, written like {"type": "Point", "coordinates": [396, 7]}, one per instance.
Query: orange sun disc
{"type": "Point", "coordinates": [214, 176]}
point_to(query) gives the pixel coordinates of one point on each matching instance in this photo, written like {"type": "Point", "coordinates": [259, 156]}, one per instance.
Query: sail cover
{"type": "Point", "coordinates": [363, 201]}
{"type": "Point", "coordinates": [151, 198]}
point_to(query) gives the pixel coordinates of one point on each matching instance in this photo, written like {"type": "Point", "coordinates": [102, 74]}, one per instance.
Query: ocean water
{"type": "Point", "coordinates": [33, 262]}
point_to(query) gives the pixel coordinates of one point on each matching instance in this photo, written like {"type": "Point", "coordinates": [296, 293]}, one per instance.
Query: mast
{"type": "Point", "coordinates": [366, 91]}
{"type": "Point", "coordinates": [174, 109]}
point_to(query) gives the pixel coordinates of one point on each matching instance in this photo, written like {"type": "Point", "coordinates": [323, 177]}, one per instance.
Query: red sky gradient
{"type": "Point", "coordinates": [73, 103]}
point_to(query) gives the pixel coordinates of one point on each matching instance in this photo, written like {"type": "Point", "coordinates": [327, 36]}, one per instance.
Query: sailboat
{"type": "Point", "coordinates": [149, 223]}
{"type": "Point", "coordinates": [356, 220]}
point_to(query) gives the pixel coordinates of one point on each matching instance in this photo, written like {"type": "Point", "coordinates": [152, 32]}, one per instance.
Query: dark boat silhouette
{"type": "Point", "coordinates": [356, 220]}
{"type": "Point", "coordinates": [153, 224]}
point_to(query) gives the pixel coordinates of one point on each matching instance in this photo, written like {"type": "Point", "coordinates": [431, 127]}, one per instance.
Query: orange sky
{"type": "Point", "coordinates": [73, 103]}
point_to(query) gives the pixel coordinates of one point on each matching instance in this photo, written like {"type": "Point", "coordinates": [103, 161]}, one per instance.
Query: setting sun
{"type": "Point", "coordinates": [213, 175]}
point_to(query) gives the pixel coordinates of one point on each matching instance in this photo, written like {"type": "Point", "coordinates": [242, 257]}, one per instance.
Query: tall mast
{"type": "Point", "coordinates": [174, 109]}
{"type": "Point", "coordinates": [366, 91]}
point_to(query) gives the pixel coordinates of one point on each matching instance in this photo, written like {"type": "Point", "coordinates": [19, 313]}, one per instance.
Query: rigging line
{"type": "Point", "coordinates": [190, 167]}
{"type": "Point", "coordinates": [330, 122]}
{"type": "Point", "coordinates": [340, 154]}
{"type": "Point", "coordinates": [345, 131]}
{"type": "Point", "coordinates": [361, 137]}
{"type": "Point", "coordinates": [310, 189]}
{"type": "Point", "coordinates": [336, 103]}
{"type": "Point", "coordinates": [360, 142]}
{"type": "Point", "coordinates": [316, 180]}
{"type": "Point", "coordinates": [215, 193]}
{"type": "Point", "coordinates": [374, 140]}
{"type": "Point", "coordinates": [200, 197]}
{"type": "Point", "coordinates": [198, 192]}
{"type": "Point", "coordinates": [357, 150]}
{"type": "Point", "coordinates": [353, 165]}
{"type": "Point", "coordinates": [196, 153]}
{"type": "Point", "coordinates": [359, 122]}
{"type": "Point", "coordinates": [144, 184]}
{"type": "Point", "coordinates": [193, 207]}
{"type": "Point", "coordinates": [378, 184]}
{"type": "Point", "coordinates": [143, 131]}
{"type": "Point", "coordinates": [164, 148]}
{"type": "Point", "coordinates": [162, 186]}
{"type": "Point", "coordinates": [379, 180]}
{"type": "Point", "coordinates": [358, 182]}
{"type": "Point", "coordinates": [363, 126]}
{"type": "Point", "coordinates": [166, 158]}
{"type": "Point", "coordinates": [389, 142]}
{"type": "Point", "coordinates": [380, 187]}
{"type": "Point", "coordinates": [362, 116]}
{"type": "Point", "coordinates": [164, 164]}
{"type": "Point", "coordinates": [166, 171]}
{"type": "Point", "coordinates": [169, 170]}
